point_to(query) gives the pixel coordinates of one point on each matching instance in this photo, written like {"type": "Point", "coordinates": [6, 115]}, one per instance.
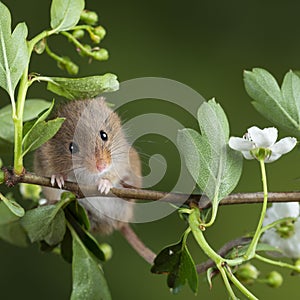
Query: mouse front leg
{"type": "Point", "coordinates": [59, 179]}
{"type": "Point", "coordinates": [104, 185]}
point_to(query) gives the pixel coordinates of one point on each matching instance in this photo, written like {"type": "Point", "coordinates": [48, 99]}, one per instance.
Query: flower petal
{"type": "Point", "coordinates": [240, 144]}
{"type": "Point", "coordinates": [263, 138]}
{"type": "Point", "coordinates": [274, 156]}
{"type": "Point", "coordinates": [283, 146]}
{"type": "Point", "coordinates": [247, 155]}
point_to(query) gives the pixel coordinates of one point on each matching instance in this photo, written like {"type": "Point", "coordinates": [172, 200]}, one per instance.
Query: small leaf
{"type": "Point", "coordinates": [83, 88]}
{"type": "Point", "coordinates": [13, 206]}
{"type": "Point", "coordinates": [10, 228]}
{"type": "Point", "coordinates": [41, 133]}
{"type": "Point", "coordinates": [281, 107]}
{"type": "Point", "coordinates": [66, 247]}
{"type": "Point", "coordinates": [88, 278]}
{"type": "Point", "coordinates": [31, 110]}
{"type": "Point", "coordinates": [14, 56]}
{"type": "Point", "coordinates": [80, 214]}
{"type": "Point", "coordinates": [65, 14]}
{"type": "Point", "coordinates": [176, 261]}
{"type": "Point", "coordinates": [46, 223]}
{"type": "Point", "coordinates": [213, 165]}
{"type": "Point", "coordinates": [87, 239]}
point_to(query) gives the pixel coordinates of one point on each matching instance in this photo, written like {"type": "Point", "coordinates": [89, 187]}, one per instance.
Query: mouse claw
{"type": "Point", "coordinates": [59, 179]}
{"type": "Point", "coordinates": [104, 186]}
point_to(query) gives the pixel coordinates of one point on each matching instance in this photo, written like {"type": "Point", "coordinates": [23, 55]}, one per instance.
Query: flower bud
{"type": "Point", "coordinates": [101, 54]}
{"type": "Point", "coordinates": [100, 31]}
{"type": "Point", "coordinates": [87, 48]}
{"type": "Point", "coordinates": [274, 279]}
{"type": "Point", "coordinates": [297, 265]}
{"type": "Point", "coordinates": [30, 191]}
{"type": "Point", "coordinates": [71, 68]}
{"type": "Point", "coordinates": [39, 47]}
{"type": "Point", "coordinates": [107, 251]}
{"type": "Point", "coordinates": [78, 34]}
{"type": "Point", "coordinates": [89, 17]}
{"type": "Point", "coordinates": [247, 273]}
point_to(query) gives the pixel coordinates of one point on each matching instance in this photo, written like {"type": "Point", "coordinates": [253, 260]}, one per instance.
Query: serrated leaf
{"type": "Point", "coordinates": [41, 133]}
{"type": "Point", "coordinates": [13, 206]}
{"type": "Point", "coordinates": [83, 88]}
{"type": "Point", "coordinates": [32, 108]}
{"type": "Point", "coordinates": [88, 278]}
{"type": "Point", "coordinates": [10, 229]}
{"type": "Point", "coordinates": [213, 165]}
{"type": "Point", "coordinates": [14, 56]}
{"type": "Point", "coordinates": [176, 261]}
{"type": "Point", "coordinates": [65, 14]}
{"type": "Point", "coordinates": [280, 106]}
{"type": "Point", "coordinates": [46, 223]}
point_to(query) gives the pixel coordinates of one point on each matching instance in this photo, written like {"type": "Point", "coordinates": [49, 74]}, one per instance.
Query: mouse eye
{"type": "Point", "coordinates": [73, 148]}
{"type": "Point", "coordinates": [103, 135]}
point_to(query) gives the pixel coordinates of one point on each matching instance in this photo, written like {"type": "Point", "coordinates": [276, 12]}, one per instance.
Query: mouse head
{"type": "Point", "coordinates": [91, 138]}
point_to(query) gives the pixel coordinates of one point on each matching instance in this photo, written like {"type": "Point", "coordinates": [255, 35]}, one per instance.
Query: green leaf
{"type": "Point", "coordinates": [88, 278]}
{"type": "Point", "coordinates": [213, 165]}
{"type": "Point", "coordinates": [46, 223]}
{"type": "Point", "coordinates": [176, 261]}
{"type": "Point", "coordinates": [66, 247]}
{"type": "Point", "coordinates": [65, 14]}
{"type": "Point", "coordinates": [280, 106]}
{"type": "Point", "coordinates": [13, 206]}
{"type": "Point", "coordinates": [10, 228]}
{"type": "Point", "coordinates": [14, 56]}
{"type": "Point", "coordinates": [241, 250]}
{"type": "Point", "coordinates": [83, 88]}
{"type": "Point", "coordinates": [33, 107]}
{"type": "Point", "coordinates": [41, 133]}
{"type": "Point", "coordinates": [79, 225]}
{"type": "Point", "coordinates": [80, 214]}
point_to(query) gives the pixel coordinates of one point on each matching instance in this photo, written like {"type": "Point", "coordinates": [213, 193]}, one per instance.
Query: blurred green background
{"type": "Point", "coordinates": [206, 45]}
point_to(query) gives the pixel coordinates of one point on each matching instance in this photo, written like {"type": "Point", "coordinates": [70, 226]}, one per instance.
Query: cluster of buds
{"type": "Point", "coordinates": [96, 34]}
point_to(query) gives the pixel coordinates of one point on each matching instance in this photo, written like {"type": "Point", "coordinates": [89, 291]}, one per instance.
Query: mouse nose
{"type": "Point", "coordinates": [101, 165]}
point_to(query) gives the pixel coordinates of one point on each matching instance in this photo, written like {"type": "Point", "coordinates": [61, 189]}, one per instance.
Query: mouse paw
{"type": "Point", "coordinates": [59, 179]}
{"type": "Point", "coordinates": [104, 186]}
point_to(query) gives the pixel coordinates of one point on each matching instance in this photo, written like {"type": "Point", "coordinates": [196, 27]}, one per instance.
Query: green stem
{"type": "Point", "coordinates": [195, 225]}
{"type": "Point", "coordinates": [252, 248]}
{"type": "Point", "coordinates": [213, 215]}
{"type": "Point", "coordinates": [277, 263]}
{"type": "Point", "coordinates": [77, 44]}
{"type": "Point", "coordinates": [18, 110]}
{"type": "Point", "coordinates": [238, 284]}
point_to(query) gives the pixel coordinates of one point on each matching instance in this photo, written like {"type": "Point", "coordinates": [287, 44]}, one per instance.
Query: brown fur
{"type": "Point", "coordinates": [84, 120]}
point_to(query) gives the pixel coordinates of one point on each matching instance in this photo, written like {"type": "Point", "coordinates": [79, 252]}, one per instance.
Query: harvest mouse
{"type": "Point", "coordinates": [91, 148]}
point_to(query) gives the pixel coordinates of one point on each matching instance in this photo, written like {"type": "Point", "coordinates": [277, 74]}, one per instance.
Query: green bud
{"type": "Point", "coordinates": [107, 250]}
{"type": "Point", "coordinates": [71, 68]}
{"type": "Point", "coordinates": [285, 229]}
{"type": "Point", "coordinates": [78, 34]}
{"type": "Point", "coordinates": [247, 273]}
{"type": "Point", "coordinates": [30, 191]}
{"type": "Point", "coordinates": [87, 47]}
{"type": "Point", "coordinates": [40, 47]}
{"type": "Point", "coordinates": [95, 38]}
{"type": "Point", "coordinates": [100, 31]}
{"type": "Point", "coordinates": [1, 163]}
{"type": "Point", "coordinates": [68, 65]}
{"type": "Point", "coordinates": [297, 264]}
{"type": "Point", "coordinates": [89, 17]}
{"type": "Point", "coordinates": [274, 279]}
{"type": "Point", "coordinates": [101, 54]}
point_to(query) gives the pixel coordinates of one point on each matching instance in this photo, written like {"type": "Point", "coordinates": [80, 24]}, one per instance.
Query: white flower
{"type": "Point", "coordinates": [287, 236]}
{"type": "Point", "coordinates": [256, 139]}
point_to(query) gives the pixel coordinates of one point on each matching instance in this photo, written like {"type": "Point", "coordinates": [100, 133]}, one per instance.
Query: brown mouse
{"type": "Point", "coordinates": [91, 148]}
